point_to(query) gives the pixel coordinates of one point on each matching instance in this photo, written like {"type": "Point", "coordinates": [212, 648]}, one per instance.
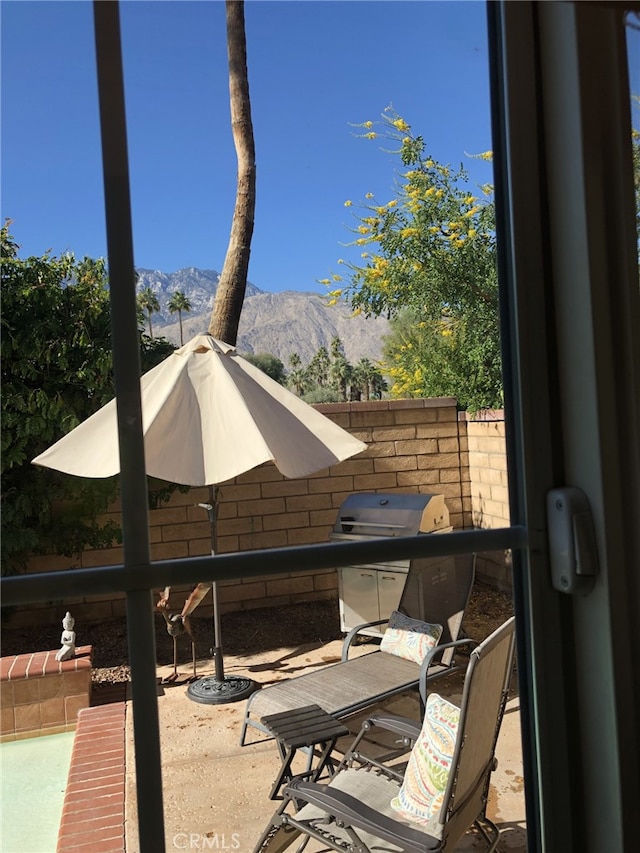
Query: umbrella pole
{"type": "Point", "coordinates": [219, 689]}
{"type": "Point", "coordinates": [217, 632]}
{"type": "Point", "coordinates": [217, 648]}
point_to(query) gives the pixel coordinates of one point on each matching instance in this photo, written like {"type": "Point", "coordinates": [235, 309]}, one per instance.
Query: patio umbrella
{"type": "Point", "coordinates": [209, 415]}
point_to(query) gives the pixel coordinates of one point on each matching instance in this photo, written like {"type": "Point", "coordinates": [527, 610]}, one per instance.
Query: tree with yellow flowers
{"type": "Point", "coordinates": [429, 263]}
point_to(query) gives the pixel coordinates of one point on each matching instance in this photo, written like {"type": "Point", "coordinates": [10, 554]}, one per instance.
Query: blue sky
{"type": "Point", "coordinates": [314, 67]}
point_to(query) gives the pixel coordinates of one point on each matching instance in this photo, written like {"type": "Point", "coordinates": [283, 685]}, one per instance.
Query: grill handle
{"type": "Point", "coordinates": [350, 523]}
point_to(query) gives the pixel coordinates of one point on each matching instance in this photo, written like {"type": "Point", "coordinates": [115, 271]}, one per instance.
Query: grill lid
{"type": "Point", "coordinates": [366, 514]}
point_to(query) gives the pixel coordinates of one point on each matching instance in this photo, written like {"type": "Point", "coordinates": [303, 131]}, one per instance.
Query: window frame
{"type": "Point", "coordinates": [538, 70]}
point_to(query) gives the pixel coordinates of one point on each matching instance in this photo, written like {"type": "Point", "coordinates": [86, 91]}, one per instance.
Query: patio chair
{"type": "Point", "coordinates": [370, 807]}
{"type": "Point", "coordinates": [436, 591]}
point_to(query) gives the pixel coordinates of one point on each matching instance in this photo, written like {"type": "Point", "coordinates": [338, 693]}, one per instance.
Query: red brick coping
{"type": "Point", "coordinates": [94, 808]}
{"type": "Point", "coordinates": [39, 664]}
{"type": "Point", "coordinates": [40, 695]}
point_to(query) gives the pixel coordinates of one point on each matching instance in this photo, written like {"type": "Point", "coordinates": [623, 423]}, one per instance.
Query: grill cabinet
{"type": "Point", "coordinates": [371, 592]}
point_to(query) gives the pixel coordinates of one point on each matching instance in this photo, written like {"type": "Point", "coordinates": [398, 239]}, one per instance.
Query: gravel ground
{"type": "Point", "coordinates": [242, 631]}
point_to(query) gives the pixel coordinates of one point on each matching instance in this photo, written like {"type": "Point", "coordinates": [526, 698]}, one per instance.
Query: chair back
{"type": "Point", "coordinates": [484, 697]}
{"type": "Point", "coordinates": [437, 590]}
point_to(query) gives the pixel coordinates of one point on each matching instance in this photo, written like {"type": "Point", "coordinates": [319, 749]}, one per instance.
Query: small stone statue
{"type": "Point", "coordinates": [68, 638]}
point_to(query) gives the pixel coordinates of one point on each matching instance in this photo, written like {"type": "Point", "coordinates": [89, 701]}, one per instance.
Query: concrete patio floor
{"type": "Point", "coordinates": [216, 793]}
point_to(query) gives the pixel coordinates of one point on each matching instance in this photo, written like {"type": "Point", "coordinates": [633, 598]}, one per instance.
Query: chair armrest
{"type": "Point", "coordinates": [404, 726]}
{"type": "Point", "coordinates": [347, 808]}
{"type": "Point", "coordinates": [426, 663]}
{"type": "Point", "coordinates": [353, 633]}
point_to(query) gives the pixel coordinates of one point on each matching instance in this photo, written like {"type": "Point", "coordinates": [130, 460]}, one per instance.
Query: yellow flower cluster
{"type": "Point", "coordinates": [400, 124]}
{"type": "Point", "coordinates": [362, 229]}
{"type": "Point", "coordinates": [392, 203]}
{"type": "Point", "coordinates": [368, 124]}
{"type": "Point", "coordinates": [369, 195]}
{"type": "Point", "coordinates": [348, 203]}
{"type": "Point", "coordinates": [408, 232]}
{"type": "Point", "coordinates": [371, 135]}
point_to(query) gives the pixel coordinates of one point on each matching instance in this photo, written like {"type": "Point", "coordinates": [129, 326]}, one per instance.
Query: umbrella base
{"type": "Point", "coordinates": [220, 691]}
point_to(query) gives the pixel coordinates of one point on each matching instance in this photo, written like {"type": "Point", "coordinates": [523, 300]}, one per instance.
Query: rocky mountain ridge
{"type": "Point", "coordinates": [278, 323]}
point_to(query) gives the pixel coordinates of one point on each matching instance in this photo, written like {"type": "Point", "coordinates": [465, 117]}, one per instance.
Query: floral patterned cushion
{"type": "Point", "coordinates": [409, 638]}
{"type": "Point", "coordinates": [425, 780]}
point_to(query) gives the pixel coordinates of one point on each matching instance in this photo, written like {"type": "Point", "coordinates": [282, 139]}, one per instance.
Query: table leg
{"type": "Point", "coordinates": [325, 759]}
{"type": "Point", "coordinates": [284, 774]}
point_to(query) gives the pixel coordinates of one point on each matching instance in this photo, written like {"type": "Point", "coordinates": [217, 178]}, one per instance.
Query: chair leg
{"type": "Point", "coordinates": [278, 837]}
{"type": "Point", "coordinates": [243, 731]}
{"type": "Point", "coordinates": [489, 832]}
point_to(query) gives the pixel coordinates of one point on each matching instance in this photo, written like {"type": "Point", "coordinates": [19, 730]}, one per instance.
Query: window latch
{"type": "Point", "coordinates": [572, 541]}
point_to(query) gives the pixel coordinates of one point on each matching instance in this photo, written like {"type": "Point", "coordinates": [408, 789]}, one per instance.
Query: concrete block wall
{"type": "Point", "coordinates": [489, 488]}
{"type": "Point", "coordinates": [418, 446]}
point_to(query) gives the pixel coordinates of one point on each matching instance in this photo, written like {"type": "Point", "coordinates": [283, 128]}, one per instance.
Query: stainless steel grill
{"type": "Point", "coordinates": [371, 592]}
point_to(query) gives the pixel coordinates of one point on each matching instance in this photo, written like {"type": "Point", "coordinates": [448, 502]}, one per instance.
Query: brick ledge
{"type": "Point", "coordinates": [94, 801]}
{"type": "Point", "coordinates": [40, 664]}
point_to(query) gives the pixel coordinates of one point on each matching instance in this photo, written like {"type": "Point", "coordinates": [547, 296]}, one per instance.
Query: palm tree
{"type": "Point", "coordinates": [364, 373]}
{"type": "Point", "coordinates": [233, 279]}
{"type": "Point", "coordinates": [337, 349]}
{"type": "Point", "coordinates": [179, 303]}
{"type": "Point", "coordinates": [379, 386]}
{"type": "Point", "coordinates": [341, 375]}
{"type": "Point", "coordinates": [297, 380]}
{"type": "Point", "coordinates": [148, 301]}
{"type": "Point", "coordinates": [319, 367]}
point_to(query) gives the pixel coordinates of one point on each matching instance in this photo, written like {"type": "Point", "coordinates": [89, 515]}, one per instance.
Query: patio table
{"type": "Point", "coordinates": [310, 727]}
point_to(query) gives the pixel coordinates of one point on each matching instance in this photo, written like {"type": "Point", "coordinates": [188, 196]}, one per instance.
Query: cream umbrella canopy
{"type": "Point", "coordinates": [209, 415]}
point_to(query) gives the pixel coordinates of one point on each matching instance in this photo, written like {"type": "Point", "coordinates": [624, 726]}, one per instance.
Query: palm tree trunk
{"type": "Point", "coordinates": [225, 317]}
{"type": "Point", "coordinates": [180, 319]}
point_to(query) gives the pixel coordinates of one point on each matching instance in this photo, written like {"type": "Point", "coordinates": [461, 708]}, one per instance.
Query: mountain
{"type": "Point", "coordinates": [278, 323]}
{"type": "Point", "coordinates": [199, 286]}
